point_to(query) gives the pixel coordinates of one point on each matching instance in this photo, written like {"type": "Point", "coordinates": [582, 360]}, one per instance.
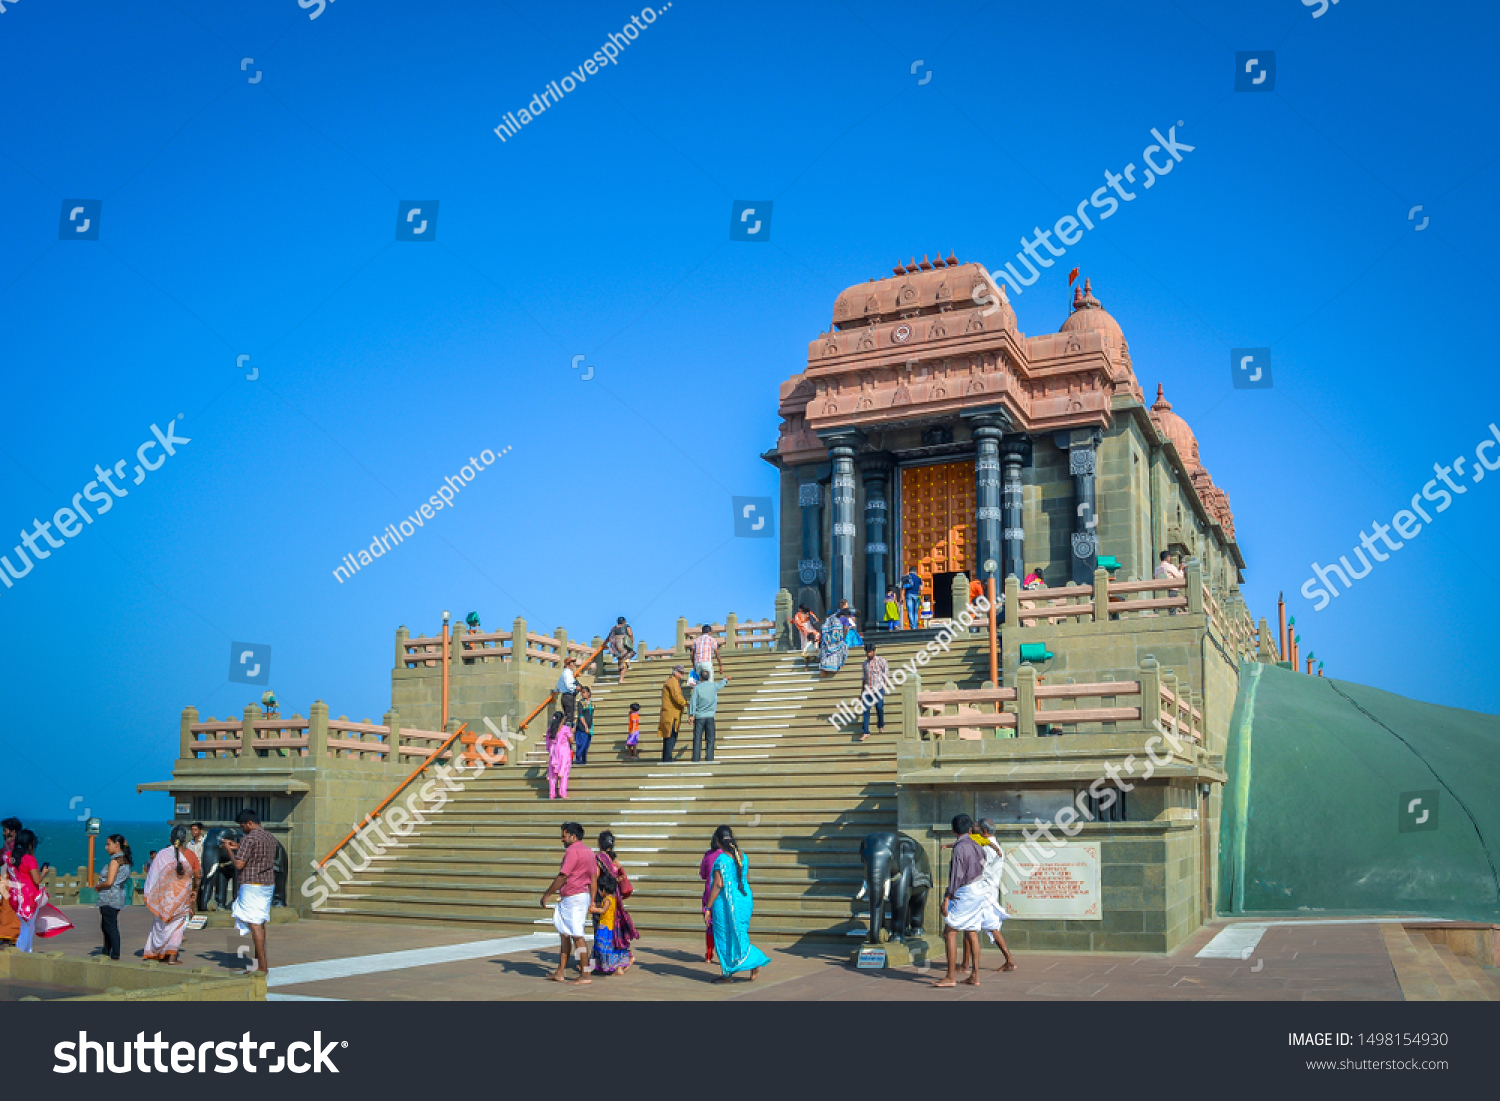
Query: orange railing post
{"type": "Point", "coordinates": [994, 649]}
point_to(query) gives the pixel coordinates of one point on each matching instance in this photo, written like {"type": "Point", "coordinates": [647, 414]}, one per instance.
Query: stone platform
{"type": "Point", "coordinates": [1361, 960]}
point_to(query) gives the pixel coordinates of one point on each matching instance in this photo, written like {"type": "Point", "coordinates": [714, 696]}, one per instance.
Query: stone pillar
{"type": "Point", "coordinates": [402, 634]}
{"type": "Point", "coordinates": [186, 748]}
{"type": "Point", "coordinates": [876, 470]}
{"type": "Point", "coordinates": [731, 631]}
{"type": "Point", "coordinates": [1150, 678]}
{"type": "Point", "coordinates": [317, 733]}
{"type": "Point", "coordinates": [988, 514]}
{"type": "Point", "coordinates": [456, 643]}
{"type": "Point", "coordinates": [680, 647]}
{"type": "Point", "coordinates": [596, 645]}
{"type": "Point", "coordinates": [1012, 610]}
{"type": "Point", "coordinates": [810, 570]}
{"type": "Point", "coordinates": [1014, 453]}
{"type": "Point", "coordinates": [841, 570]}
{"type": "Point", "coordinates": [247, 734]}
{"type": "Point", "coordinates": [910, 712]}
{"type": "Point", "coordinates": [1100, 581]}
{"type": "Point", "coordinates": [783, 631]}
{"type": "Point", "coordinates": [960, 587]}
{"type": "Point", "coordinates": [562, 649]}
{"type": "Point", "coordinates": [1192, 585]}
{"type": "Point", "coordinates": [1082, 464]}
{"type": "Point", "coordinates": [518, 643]}
{"type": "Point", "coordinates": [1026, 701]}
{"type": "Point", "coordinates": [392, 722]}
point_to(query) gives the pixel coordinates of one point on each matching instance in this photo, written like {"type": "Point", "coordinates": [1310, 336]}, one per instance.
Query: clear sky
{"type": "Point", "coordinates": [259, 219]}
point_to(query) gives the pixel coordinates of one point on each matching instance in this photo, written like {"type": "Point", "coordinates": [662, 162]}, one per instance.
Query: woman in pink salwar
{"type": "Point", "coordinates": [559, 756]}
{"type": "Point", "coordinates": [21, 879]}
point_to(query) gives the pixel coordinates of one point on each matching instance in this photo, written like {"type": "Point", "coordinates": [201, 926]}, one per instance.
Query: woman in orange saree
{"type": "Point", "coordinates": [171, 884]}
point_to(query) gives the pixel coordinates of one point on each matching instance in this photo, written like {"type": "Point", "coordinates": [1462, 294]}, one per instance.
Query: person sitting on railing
{"type": "Point", "coordinates": [1034, 580]}
{"type": "Point", "coordinates": [621, 642]}
{"type": "Point", "coordinates": [1166, 570]}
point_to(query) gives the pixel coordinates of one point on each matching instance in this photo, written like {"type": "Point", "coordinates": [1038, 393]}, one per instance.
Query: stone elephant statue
{"type": "Point", "coordinates": [217, 886]}
{"type": "Point", "coordinates": [896, 871]}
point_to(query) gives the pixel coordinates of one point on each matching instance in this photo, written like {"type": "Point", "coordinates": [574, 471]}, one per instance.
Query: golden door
{"type": "Point", "coordinates": [937, 520]}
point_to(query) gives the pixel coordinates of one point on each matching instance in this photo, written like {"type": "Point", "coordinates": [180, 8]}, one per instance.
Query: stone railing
{"type": "Point", "coordinates": [1100, 602]}
{"type": "Point", "coordinates": [317, 737]}
{"type": "Point", "coordinates": [972, 713]}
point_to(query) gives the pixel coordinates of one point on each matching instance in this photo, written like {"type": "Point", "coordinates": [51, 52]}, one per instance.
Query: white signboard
{"type": "Point", "coordinates": [871, 959]}
{"type": "Point", "coordinates": [1064, 885]}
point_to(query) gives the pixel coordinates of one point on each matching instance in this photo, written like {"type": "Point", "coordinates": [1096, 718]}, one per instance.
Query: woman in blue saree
{"type": "Point", "coordinates": [834, 645]}
{"type": "Point", "coordinates": [728, 910]}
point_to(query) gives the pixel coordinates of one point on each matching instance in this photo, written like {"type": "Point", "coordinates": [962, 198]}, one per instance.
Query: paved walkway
{"type": "Point", "coordinates": [359, 961]}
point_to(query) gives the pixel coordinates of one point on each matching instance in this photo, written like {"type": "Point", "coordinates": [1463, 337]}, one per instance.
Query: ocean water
{"type": "Point", "coordinates": [65, 844]}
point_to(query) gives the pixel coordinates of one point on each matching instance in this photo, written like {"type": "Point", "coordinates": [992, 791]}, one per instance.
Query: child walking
{"type": "Point", "coordinates": [633, 741]}
{"type": "Point", "coordinates": [559, 756]}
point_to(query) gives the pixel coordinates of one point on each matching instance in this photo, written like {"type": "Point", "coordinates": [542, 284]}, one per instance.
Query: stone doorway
{"type": "Point", "coordinates": [937, 527]}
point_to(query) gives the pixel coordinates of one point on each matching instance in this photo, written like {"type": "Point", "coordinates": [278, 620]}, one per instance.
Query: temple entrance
{"type": "Point", "coordinates": [942, 595]}
{"type": "Point", "coordinates": [937, 528]}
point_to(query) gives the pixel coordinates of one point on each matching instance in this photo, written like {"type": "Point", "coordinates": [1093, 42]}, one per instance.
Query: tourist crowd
{"type": "Point", "coordinates": [594, 885]}
{"type": "Point", "coordinates": [171, 889]}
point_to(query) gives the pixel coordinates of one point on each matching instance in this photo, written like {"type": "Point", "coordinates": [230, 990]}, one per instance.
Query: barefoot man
{"type": "Point", "coordinates": [963, 906]}
{"type": "Point", "coordinates": [575, 884]}
{"type": "Point", "coordinates": [989, 881]}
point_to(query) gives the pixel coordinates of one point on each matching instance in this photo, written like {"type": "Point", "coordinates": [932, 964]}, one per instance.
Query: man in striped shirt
{"type": "Point", "coordinates": [706, 654]}
{"type": "Point", "coordinates": [877, 678]}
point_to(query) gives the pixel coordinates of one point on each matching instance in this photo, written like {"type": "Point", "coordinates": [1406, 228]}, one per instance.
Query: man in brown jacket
{"type": "Point", "coordinates": [673, 704]}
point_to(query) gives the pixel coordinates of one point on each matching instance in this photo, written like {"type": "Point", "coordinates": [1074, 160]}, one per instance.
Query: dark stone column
{"type": "Point", "coordinates": [876, 470]}
{"type": "Point", "coordinates": [1082, 463]}
{"type": "Point", "coordinates": [841, 572]}
{"type": "Point", "coordinates": [987, 511]}
{"type": "Point", "coordinates": [810, 570]}
{"type": "Point", "coordinates": [1014, 454]}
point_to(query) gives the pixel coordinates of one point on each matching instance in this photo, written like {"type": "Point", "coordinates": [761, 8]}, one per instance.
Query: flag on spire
{"type": "Point", "coordinates": [1072, 275]}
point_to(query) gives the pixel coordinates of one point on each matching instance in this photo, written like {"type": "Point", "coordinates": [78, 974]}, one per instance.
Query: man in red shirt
{"type": "Point", "coordinates": [575, 884]}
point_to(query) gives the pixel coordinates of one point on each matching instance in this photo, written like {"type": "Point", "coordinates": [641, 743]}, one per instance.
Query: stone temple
{"type": "Point", "coordinates": [1153, 756]}
{"type": "Point", "coordinates": [926, 430]}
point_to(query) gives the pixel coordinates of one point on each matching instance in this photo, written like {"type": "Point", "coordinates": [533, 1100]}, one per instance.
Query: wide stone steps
{"type": "Point", "coordinates": [800, 794]}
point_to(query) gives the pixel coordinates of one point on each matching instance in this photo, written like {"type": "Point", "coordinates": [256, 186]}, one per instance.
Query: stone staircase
{"type": "Point", "coordinates": [1430, 971]}
{"type": "Point", "coordinates": [800, 795]}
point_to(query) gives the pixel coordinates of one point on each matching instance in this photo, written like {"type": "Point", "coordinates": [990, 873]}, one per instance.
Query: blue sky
{"type": "Point", "coordinates": [258, 219]}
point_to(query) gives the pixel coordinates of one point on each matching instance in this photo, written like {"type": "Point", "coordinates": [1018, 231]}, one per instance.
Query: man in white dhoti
{"type": "Point", "coordinates": [575, 884]}
{"type": "Point", "coordinates": [989, 880]}
{"type": "Point", "coordinates": [963, 906]}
